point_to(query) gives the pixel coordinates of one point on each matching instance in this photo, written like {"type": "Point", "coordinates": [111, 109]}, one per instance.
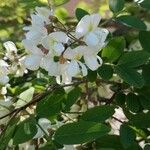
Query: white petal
{"type": "Point", "coordinates": [45, 124]}
{"type": "Point", "coordinates": [32, 62]}
{"type": "Point", "coordinates": [95, 20]}
{"type": "Point", "coordinates": [10, 46]}
{"type": "Point", "coordinates": [59, 37]}
{"type": "Point", "coordinates": [91, 39]}
{"type": "Point", "coordinates": [4, 80]}
{"type": "Point", "coordinates": [73, 68]}
{"type": "Point", "coordinates": [69, 53]}
{"type": "Point", "coordinates": [75, 53]}
{"type": "Point", "coordinates": [101, 35]}
{"type": "Point", "coordinates": [87, 24]}
{"type": "Point", "coordinates": [3, 63]}
{"type": "Point", "coordinates": [36, 34]}
{"type": "Point", "coordinates": [58, 48]}
{"type": "Point", "coordinates": [31, 48]}
{"type": "Point", "coordinates": [93, 62]}
{"type": "Point", "coordinates": [82, 27]}
{"type": "Point", "coordinates": [37, 21]}
{"type": "Point", "coordinates": [49, 65]}
{"type": "Point", "coordinates": [44, 13]}
{"type": "Point", "coordinates": [83, 68]}
{"type": "Point", "coordinates": [46, 42]}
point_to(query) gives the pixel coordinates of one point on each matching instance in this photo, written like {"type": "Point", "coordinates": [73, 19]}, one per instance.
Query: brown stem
{"type": "Point", "coordinates": [39, 97]}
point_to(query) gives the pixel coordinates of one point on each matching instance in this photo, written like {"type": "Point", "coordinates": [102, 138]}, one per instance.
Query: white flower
{"type": "Point", "coordinates": [75, 66]}
{"type": "Point", "coordinates": [138, 1]}
{"type": "Point", "coordinates": [4, 79]}
{"type": "Point", "coordinates": [36, 33]}
{"type": "Point", "coordinates": [45, 124]}
{"type": "Point", "coordinates": [64, 77]}
{"type": "Point", "coordinates": [54, 42]}
{"type": "Point", "coordinates": [91, 33]}
{"type": "Point", "coordinates": [44, 13]}
{"type": "Point", "coordinates": [11, 49]}
{"type": "Point", "coordinates": [50, 65]}
{"type": "Point", "coordinates": [33, 60]}
{"type": "Point", "coordinates": [37, 30]}
{"type": "Point", "coordinates": [92, 60]}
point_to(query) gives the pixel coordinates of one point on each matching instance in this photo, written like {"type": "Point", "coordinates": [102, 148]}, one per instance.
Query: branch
{"type": "Point", "coordinates": [39, 97]}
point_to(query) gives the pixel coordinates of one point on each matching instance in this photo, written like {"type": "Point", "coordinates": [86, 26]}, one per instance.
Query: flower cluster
{"type": "Point", "coordinates": [62, 53]}
{"type": "Point", "coordinates": [11, 63]}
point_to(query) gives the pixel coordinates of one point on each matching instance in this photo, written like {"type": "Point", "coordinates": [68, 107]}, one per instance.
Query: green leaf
{"type": "Point", "coordinates": [134, 58]}
{"type": "Point", "coordinates": [127, 136]}
{"type": "Point", "coordinates": [80, 132]}
{"type": "Point", "coordinates": [114, 49]}
{"type": "Point", "coordinates": [7, 136]}
{"type": "Point", "coordinates": [120, 99]}
{"type": "Point", "coordinates": [147, 147]}
{"type": "Point", "coordinates": [92, 75]}
{"type": "Point", "coordinates": [144, 37]}
{"type": "Point", "coordinates": [145, 102]}
{"type": "Point", "coordinates": [25, 131]}
{"type": "Point", "coordinates": [59, 2]}
{"type": "Point", "coordinates": [131, 21]}
{"type": "Point", "coordinates": [80, 13]}
{"type": "Point", "coordinates": [130, 76]}
{"type": "Point", "coordinates": [141, 120]}
{"type": "Point", "coordinates": [72, 97]}
{"type": "Point", "coordinates": [105, 72]}
{"type": "Point", "coordinates": [25, 97]}
{"type": "Point", "coordinates": [116, 5]}
{"type": "Point", "coordinates": [98, 114]}
{"type": "Point", "coordinates": [146, 74]}
{"type": "Point", "coordinates": [145, 4]}
{"type": "Point", "coordinates": [133, 103]}
{"type": "Point", "coordinates": [109, 141]}
{"type": "Point", "coordinates": [51, 104]}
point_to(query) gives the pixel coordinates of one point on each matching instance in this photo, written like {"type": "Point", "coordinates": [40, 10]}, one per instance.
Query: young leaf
{"type": "Point", "coordinates": [98, 114]}
{"type": "Point", "coordinates": [131, 21]}
{"type": "Point", "coordinates": [130, 76]}
{"type": "Point", "coordinates": [80, 13]}
{"type": "Point", "coordinates": [80, 132]}
{"type": "Point", "coordinates": [127, 136]}
{"type": "Point", "coordinates": [144, 37]}
{"type": "Point", "coordinates": [134, 58]}
{"type": "Point", "coordinates": [25, 131]}
{"type": "Point", "coordinates": [116, 5]}
{"type": "Point", "coordinates": [114, 49]}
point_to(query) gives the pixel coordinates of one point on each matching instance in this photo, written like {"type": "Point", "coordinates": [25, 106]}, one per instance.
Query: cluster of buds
{"type": "Point", "coordinates": [61, 53]}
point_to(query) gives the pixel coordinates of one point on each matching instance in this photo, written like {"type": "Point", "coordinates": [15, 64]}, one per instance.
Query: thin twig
{"type": "Point", "coordinates": [39, 97]}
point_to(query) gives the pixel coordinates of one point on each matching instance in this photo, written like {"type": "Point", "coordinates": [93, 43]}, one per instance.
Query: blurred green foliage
{"type": "Point", "coordinates": [15, 14]}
